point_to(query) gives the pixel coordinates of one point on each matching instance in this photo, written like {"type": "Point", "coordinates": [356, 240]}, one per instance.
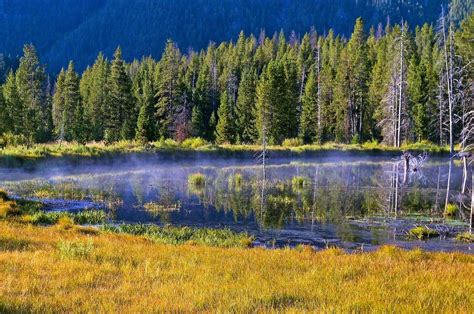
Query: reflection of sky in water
{"type": "Point", "coordinates": [345, 203]}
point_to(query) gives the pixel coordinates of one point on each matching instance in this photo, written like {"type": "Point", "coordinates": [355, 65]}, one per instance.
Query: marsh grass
{"type": "Point", "coordinates": [128, 274]}
{"type": "Point", "coordinates": [91, 217]}
{"type": "Point", "coordinates": [182, 235]}
{"type": "Point", "coordinates": [197, 179]}
{"type": "Point", "coordinates": [423, 233]}
{"type": "Point", "coordinates": [299, 182]}
{"type": "Point", "coordinates": [451, 210]}
{"type": "Point", "coordinates": [465, 237]}
{"type": "Point", "coordinates": [96, 149]}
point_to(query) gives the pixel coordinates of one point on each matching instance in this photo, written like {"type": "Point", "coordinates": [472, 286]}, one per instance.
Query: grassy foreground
{"type": "Point", "coordinates": [56, 269]}
{"type": "Point", "coordinates": [39, 151]}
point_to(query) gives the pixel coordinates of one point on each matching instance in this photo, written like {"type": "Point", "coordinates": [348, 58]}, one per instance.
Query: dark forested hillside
{"type": "Point", "coordinates": [69, 29]}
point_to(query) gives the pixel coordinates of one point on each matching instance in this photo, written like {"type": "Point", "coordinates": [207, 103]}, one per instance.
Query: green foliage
{"type": "Point", "coordinates": [197, 179]}
{"type": "Point", "coordinates": [292, 142]}
{"type": "Point", "coordinates": [451, 210]}
{"type": "Point", "coordinates": [194, 142]}
{"type": "Point", "coordinates": [465, 237]}
{"type": "Point", "coordinates": [423, 233]}
{"type": "Point", "coordinates": [181, 235]}
{"type": "Point", "coordinates": [92, 217]}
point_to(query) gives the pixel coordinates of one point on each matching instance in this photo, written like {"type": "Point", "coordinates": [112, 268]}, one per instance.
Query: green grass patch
{"type": "Point", "coordinates": [423, 233]}
{"type": "Point", "coordinates": [465, 237]}
{"type": "Point", "coordinates": [185, 235]}
{"type": "Point", "coordinates": [92, 217]}
{"type": "Point", "coordinates": [451, 210]}
{"type": "Point", "coordinates": [197, 179]}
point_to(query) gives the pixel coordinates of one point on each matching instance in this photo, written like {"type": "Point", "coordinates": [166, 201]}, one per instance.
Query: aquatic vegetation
{"type": "Point", "coordinates": [298, 182]}
{"type": "Point", "coordinates": [92, 217]}
{"type": "Point", "coordinates": [465, 237]}
{"type": "Point", "coordinates": [236, 180]}
{"type": "Point", "coordinates": [181, 235]}
{"type": "Point", "coordinates": [75, 249]}
{"type": "Point", "coordinates": [451, 210]}
{"type": "Point", "coordinates": [155, 207]}
{"type": "Point", "coordinates": [423, 233]}
{"type": "Point", "coordinates": [129, 274]}
{"type": "Point", "coordinates": [197, 179]}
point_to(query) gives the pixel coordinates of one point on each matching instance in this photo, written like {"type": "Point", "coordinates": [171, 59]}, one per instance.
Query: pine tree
{"type": "Point", "coordinates": [13, 106]}
{"type": "Point", "coordinates": [168, 89]}
{"type": "Point", "coordinates": [119, 114]}
{"type": "Point", "coordinates": [309, 118]}
{"type": "Point", "coordinates": [146, 123]}
{"type": "Point", "coordinates": [224, 129]}
{"type": "Point", "coordinates": [31, 86]}
{"type": "Point", "coordinates": [58, 107]}
{"type": "Point", "coordinates": [197, 122]}
{"type": "Point", "coordinates": [5, 123]}
{"type": "Point", "coordinates": [95, 94]}
{"type": "Point", "coordinates": [72, 114]}
{"type": "Point", "coordinates": [245, 109]}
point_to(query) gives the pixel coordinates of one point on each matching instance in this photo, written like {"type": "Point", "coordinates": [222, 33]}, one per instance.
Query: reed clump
{"type": "Point", "coordinates": [423, 233]}
{"type": "Point", "coordinates": [197, 179]}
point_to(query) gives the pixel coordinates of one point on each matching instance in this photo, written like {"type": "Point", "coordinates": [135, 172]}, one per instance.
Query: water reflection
{"type": "Point", "coordinates": [348, 203]}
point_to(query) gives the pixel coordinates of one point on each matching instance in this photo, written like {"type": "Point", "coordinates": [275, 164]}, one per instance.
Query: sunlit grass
{"type": "Point", "coordinates": [197, 144]}
{"type": "Point", "coordinates": [422, 233]}
{"type": "Point", "coordinates": [56, 270]}
{"type": "Point", "coordinates": [197, 179]}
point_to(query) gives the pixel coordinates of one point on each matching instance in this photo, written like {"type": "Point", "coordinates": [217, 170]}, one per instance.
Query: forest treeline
{"type": "Point", "coordinates": [392, 84]}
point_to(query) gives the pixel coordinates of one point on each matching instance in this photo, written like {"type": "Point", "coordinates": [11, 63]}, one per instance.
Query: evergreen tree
{"type": "Point", "coordinates": [224, 129]}
{"type": "Point", "coordinates": [309, 118]}
{"type": "Point", "coordinates": [95, 94]}
{"type": "Point", "coordinates": [58, 107]}
{"type": "Point", "coordinates": [13, 105]}
{"type": "Point", "coordinates": [146, 123]}
{"type": "Point", "coordinates": [31, 87]}
{"type": "Point", "coordinates": [119, 114]}
{"type": "Point", "coordinates": [245, 109]}
{"type": "Point", "coordinates": [72, 114]}
{"type": "Point", "coordinates": [168, 89]}
{"type": "Point", "coordinates": [197, 122]}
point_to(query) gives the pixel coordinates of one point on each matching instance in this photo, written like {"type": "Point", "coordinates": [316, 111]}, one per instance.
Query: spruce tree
{"type": "Point", "coordinates": [309, 119]}
{"type": "Point", "coordinates": [168, 89]}
{"type": "Point", "coordinates": [146, 122]}
{"type": "Point", "coordinates": [58, 106]}
{"type": "Point", "coordinates": [72, 115]}
{"type": "Point", "coordinates": [31, 87]}
{"type": "Point", "coordinates": [120, 119]}
{"type": "Point", "coordinates": [245, 110]}
{"type": "Point", "coordinates": [13, 105]}
{"type": "Point", "coordinates": [224, 130]}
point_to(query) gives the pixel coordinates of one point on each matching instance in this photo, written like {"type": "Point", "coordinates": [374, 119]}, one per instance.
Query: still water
{"type": "Point", "coordinates": [353, 203]}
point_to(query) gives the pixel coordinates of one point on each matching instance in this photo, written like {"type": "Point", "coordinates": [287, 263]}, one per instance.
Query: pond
{"type": "Point", "coordinates": [351, 202]}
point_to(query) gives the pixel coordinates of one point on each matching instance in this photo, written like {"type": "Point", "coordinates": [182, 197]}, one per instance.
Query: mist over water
{"type": "Point", "coordinates": [352, 202]}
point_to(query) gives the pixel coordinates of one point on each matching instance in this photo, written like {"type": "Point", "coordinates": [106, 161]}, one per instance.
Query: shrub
{"type": "Point", "coordinates": [72, 250]}
{"type": "Point", "coordinates": [423, 233]}
{"type": "Point", "coordinates": [195, 142]}
{"type": "Point", "coordinates": [450, 210]}
{"type": "Point", "coordinates": [197, 179]}
{"type": "Point", "coordinates": [292, 142]}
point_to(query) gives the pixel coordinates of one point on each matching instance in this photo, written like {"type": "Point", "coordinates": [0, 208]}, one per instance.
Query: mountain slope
{"type": "Point", "coordinates": [78, 30]}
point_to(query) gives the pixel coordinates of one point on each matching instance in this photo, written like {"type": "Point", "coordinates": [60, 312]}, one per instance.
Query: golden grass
{"type": "Point", "coordinates": [58, 270]}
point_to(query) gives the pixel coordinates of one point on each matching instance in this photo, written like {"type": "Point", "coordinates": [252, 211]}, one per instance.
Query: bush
{"type": "Point", "coordinates": [292, 142]}
{"type": "Point", "coordinates": [197, 179]}
{"type": "Point", "coordinates": [11, 140]}
{"type": "Point", "coordinates": [423, 233]}
{"type": "Point", "coordinates": [195, 142]}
